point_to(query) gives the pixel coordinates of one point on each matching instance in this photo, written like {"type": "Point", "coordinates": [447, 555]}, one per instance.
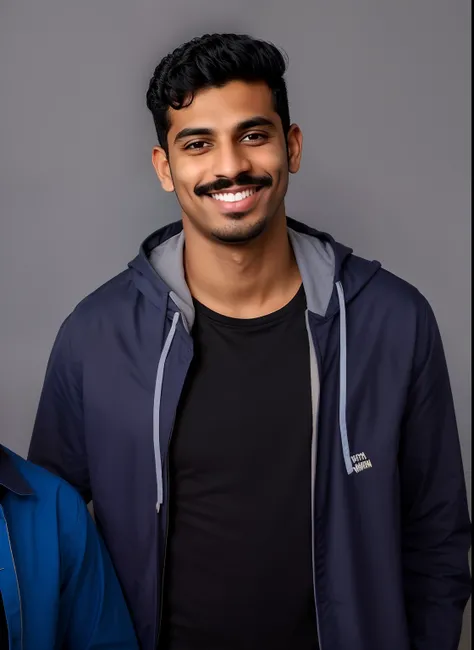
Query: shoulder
{"type": "Point", "coordinates": [390, 291]}
{"type": "Point", "coordinates": [109, 306]}
{"type": "Point", "coordinates": [62, 518]}
{"type": "Point", "coordinates": [113, 294]}
{"type": "Point", "coordinates": [392, 310]}
{"type": "Point", "coordinates": [386, 307]}
{"type": "Point", "coordinates": [57, 498]}
{"type": "Point", "coordinates": [51, 495]}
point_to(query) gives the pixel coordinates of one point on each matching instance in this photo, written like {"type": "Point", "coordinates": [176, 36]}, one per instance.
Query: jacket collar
{"type": "Point", "coordinates": [11, 477]}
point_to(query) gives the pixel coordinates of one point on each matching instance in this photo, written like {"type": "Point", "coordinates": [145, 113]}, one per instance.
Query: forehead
{"type": "Point", "coordinates": [223, 108]}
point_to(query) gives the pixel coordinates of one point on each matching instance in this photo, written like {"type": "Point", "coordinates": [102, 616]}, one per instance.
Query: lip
{"type": "Point", "coordinates": [245, 205]}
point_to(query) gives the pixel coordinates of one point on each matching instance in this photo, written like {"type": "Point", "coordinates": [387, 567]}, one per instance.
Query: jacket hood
{"type": "Point", "coordinates": [322, 261]}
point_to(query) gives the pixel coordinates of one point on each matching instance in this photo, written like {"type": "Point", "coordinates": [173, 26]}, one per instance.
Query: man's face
{"type": "Point", "coordinates": [228, 161]}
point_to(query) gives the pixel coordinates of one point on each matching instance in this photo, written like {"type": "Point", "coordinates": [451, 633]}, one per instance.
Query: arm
{"type": "Point", "coordinates": [435, 518]}
{"type": "Point", "coordinates": [58, 435]}
{"type": "Point", "coordinates": [92, 611]}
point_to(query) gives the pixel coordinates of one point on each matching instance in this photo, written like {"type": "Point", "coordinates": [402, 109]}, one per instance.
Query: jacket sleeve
{"type": "Point", "coordinates": [435, 517]}
{"type": "Point", "coordinates": [58, 442]}
{"type": "Point", "coordinates": [92, 610]}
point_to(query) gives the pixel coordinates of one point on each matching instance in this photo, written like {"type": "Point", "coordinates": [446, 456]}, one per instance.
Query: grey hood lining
{"type": "Point", "coordinates": [315, 259]}
{"type": "Point", "coordinates": [167, 261]}
{"type": "Point", "coordinates": [316, 263]}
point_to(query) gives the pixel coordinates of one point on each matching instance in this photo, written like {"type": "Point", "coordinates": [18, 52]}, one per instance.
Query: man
{"type": "Point", "coordinates": [263, 417]}
{"type": "Point", "coordinates": [58, 588]}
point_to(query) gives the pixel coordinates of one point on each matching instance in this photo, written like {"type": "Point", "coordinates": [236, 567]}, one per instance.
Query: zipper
{"type": "Point", "coordinates": [167, 525]}
{"type": "Point", "coordinates": [314, 364]}
{"type": "Point", "coordinates": [16, 577]}
{"type": "Point", "coordinates": [163, 572]}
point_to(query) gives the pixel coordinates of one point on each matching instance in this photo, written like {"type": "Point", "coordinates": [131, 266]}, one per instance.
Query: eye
{"type": "Point", "coordinates": [197, 145]}
{"type": "Point", "coordinates": [255, 137]}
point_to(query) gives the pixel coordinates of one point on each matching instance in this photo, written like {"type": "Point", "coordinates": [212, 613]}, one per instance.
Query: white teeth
{"type": "Point", "coordinates": [229, 197]}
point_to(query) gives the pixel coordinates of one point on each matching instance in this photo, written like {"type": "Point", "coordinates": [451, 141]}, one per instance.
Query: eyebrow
{"type": "Point", "coordinates": [251, 123]}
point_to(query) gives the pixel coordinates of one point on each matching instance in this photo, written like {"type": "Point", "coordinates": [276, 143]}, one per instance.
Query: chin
{"type": "Point", "coordinates": [239, 232]}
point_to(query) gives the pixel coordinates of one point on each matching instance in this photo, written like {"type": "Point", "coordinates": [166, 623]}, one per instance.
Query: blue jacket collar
{"type": "Point", "coordinates": [11, 477]}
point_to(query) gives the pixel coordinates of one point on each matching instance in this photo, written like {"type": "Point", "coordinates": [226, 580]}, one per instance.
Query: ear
{"type": "Point", "coordinates": [162, 168]}
{"type": "Point", "coordinates": [295, 148]}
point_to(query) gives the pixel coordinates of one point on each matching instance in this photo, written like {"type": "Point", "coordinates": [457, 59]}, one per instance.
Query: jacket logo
{"type": "Point", "coordinates": [360, 462]}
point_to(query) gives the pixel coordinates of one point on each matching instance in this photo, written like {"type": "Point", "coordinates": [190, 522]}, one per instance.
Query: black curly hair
{"type": "Point", "coordinates": [211, 61]}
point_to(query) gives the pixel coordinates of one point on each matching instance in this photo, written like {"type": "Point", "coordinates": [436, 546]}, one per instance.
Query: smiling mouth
{"type": "Point", "coordinates": [235, 197]}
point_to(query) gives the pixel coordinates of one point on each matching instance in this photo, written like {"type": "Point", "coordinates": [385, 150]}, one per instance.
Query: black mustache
{"type": "Point", "coordinates": [224, 183]}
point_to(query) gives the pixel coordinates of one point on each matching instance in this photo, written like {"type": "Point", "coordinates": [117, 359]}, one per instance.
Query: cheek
{"type": "Point", "coordinates": [275, 162]}
{"type": "Point", "coordinates": [186, 175]}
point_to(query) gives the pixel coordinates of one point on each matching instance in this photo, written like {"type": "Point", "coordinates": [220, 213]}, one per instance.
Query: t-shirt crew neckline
{"type": "Point", "coordinates": [293, 305]}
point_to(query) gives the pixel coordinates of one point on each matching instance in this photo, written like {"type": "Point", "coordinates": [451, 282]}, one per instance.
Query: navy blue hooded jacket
{"type": "Point", "coordinates": [390, 523]}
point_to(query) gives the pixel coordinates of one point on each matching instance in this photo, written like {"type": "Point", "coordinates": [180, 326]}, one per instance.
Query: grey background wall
{"type": "Point", "coordinates": [380, 88]}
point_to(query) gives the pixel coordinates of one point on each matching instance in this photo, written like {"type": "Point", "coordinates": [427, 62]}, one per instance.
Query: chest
{"type": "Point", "coordinates": [246, 403]}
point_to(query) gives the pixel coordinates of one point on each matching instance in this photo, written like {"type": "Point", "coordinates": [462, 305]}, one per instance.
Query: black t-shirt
{"type": "Point", "coordinates": [238, 572]}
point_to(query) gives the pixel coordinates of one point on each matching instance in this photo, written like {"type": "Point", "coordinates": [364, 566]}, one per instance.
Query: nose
{"type": "Point", "coordinates": [230, 160]}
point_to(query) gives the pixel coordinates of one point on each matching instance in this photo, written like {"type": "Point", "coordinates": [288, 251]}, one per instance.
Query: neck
{"type": "Point", "coordinates": [242, 281]}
